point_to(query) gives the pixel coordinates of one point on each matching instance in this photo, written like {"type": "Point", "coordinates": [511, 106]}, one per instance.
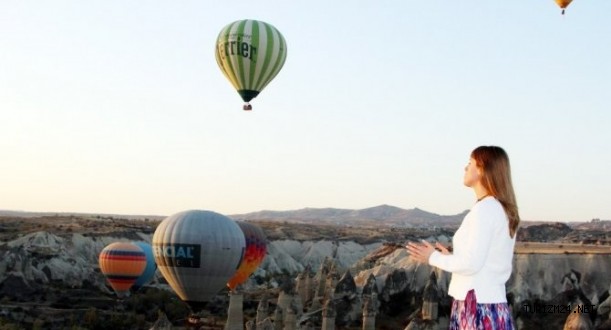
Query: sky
{"type": "Point", "coordinates": [119, 107]}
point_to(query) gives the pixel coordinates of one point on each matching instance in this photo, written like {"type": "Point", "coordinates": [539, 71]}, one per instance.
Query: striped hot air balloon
{"type": "Point", "coordinates": [150, 269]}
{"type": "Point", "coordinates": [256, 248]}
{"type": "Point", "coordinates": [122, 263]}
{"type": "Point", "coordinates": [250, 53]}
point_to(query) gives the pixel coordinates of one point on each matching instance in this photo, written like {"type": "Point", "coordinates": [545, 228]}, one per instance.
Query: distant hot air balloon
{"type": "Point", "coordinates": [563, 4]}
{"type": "Point", "coordinates": [122, 263]}
{"type": "Point", "coordinates": [151, 266]}
{"type": "Point", "coordinates": [250, 53]}
{"type": "Point", "coordinates": [256, 247]}
{"type": "Point", "coordinates": [197, 252]}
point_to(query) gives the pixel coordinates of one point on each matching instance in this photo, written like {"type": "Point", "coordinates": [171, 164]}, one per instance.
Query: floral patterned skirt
{"type": "Point", "coordinates": [469, 315]}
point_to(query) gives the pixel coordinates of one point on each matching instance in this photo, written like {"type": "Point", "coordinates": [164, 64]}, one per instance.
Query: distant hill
{"type": "Point", "coordinates": [385, 215]}
{"type": "Point", "coordinates": [27, 214]}
{"type": "Point", "coordinates": [381, 215]}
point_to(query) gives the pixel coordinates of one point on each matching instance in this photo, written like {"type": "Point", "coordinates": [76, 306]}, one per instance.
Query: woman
{"type": "Point", "coordinates": [480, 262]}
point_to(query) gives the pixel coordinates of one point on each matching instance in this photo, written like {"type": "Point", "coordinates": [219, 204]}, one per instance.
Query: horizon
{"type": "Point", "coordinates": [3, 211]}
{"type": "Point", "coordinates": [121, 108]}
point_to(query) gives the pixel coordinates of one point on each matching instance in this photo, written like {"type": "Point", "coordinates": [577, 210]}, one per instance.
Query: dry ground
{"type": "Point", "coordinates": [560, 248]}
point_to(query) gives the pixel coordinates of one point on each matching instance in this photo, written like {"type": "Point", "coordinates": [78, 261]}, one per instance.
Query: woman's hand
{"type": "Point", "coordinates": [421, 252]}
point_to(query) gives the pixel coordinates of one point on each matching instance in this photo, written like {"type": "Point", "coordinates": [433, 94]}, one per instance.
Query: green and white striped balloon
{"type": "Point", "coordinates": [250, 53]}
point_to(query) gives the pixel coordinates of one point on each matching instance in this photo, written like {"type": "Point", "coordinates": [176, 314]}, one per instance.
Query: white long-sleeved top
{"type": "Point", "coordinates": [482, 254]}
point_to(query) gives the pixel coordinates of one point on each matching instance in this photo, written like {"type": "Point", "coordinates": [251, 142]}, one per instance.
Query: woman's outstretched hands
{"type": "Point", "coordinates": [422, 251]}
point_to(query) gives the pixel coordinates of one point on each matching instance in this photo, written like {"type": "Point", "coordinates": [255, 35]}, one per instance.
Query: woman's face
{"type": "Point", "coordinates": [472, 173]}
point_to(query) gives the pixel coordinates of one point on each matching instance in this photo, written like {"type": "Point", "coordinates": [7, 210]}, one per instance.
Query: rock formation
{"type": "Point", "coordinates": [310, 286]}
{"type": "Point", "coordinates": [571, 280]}
{"type": "Point", "coordinates": [290, 317]}
{"type": "Point", "coordinates": [32, 263]}
{"type": "Point", "coordinates": [266, 324]}
{"type": "Point", "coordinates": [578, 321]}
{"type": "Point", "coordinates": [369, 312]}
{"type": "Point", "coordinates": [371, 286]}
{"type": "Point", "coordinates": [348, 303]}
{"type": "Point", "coordinates": [162, 322]}
{"type": "Point", "coordinates": [262, 309]}
{"type": "Point", "coordinates": [328, 314]}
{"type": "Point", "coordinates": [301, 287]}
{"type": "Point", "coordinates": [279, 318]}
{"type": "Point", "coordinates": [285, 296]}
{"type": "Point", "coordinates": [235, 313]}
{"type": "Point", "coordinates": [430, 299]}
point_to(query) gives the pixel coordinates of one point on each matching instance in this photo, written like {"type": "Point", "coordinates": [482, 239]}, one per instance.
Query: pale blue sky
{"type": "Point", "coordinates": [119, 106]}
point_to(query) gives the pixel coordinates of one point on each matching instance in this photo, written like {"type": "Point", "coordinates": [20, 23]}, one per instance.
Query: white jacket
{"type": "Point", "coordinates": [482, 256]}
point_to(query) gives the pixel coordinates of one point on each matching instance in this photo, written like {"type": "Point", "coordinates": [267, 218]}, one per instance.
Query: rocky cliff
{"type": "Point", "coordinates": [40, 258]}
{"type": "Point", "coordinates": [50, 261]}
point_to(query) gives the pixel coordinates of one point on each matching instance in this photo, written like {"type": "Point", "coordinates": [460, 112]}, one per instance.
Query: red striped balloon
{"type": "Point", "coordinates": [122, 263]}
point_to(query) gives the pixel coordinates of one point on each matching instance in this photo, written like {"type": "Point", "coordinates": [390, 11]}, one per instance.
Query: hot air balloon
{"type": "Point", "coordinates": [254, 254]}
{"type": "Point", "coordinates": [250, 53]}
{"type": "Point", "coordinates": [197, 252]}
{"type": "Point", "coordinates": [151, 266]}
{"type": "Point", "coordinates": [122, 263]}
{"type": "Point", "coordinates": [563, 4]}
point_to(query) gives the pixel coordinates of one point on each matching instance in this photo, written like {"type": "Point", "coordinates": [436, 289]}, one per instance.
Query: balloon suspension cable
{"type": "Point", "coordinates": [247, 107]}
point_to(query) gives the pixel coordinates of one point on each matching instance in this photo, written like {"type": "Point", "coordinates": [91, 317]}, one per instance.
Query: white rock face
{"type": "Point", "coordinates": [540, 275]}
{"type": "Point", "coordinates": [417, 274]}
{"type": "Point", "coordinates": [42, 257]}
{"type": "Point", "coordinates": [293, 256]}
{"type": "Point", "coordinates": [278, 259]}
{"type": "Point", "coordinates": [534, 275]}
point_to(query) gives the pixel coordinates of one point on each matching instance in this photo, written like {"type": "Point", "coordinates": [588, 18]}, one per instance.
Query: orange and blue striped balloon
{"type": "Point", "coordinates": [122, 263]}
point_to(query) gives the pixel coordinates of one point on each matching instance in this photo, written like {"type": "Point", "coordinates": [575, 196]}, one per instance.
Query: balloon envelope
{"type": "Point", "coordinates": [197, 252]}
{"type": "Point", "coordinates": [563, 3]}
{"type": "Point", "coordinates": [256, 248]}
{"type": "Point", "coordinates": [122, 263]}
{"type": "Point", "coordinates": [151, 266]}
{"type": "Point", "coordinates": [250, 54]}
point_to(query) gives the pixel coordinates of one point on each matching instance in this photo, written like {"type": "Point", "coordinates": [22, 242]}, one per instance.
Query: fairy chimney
{"type": "Point", "coordinates": [301, 288]}
{"type": "Point", "coordinates": [262, 310]}
{"type": "Point", "coordinates": [290, 318]}
{"type": "Point", "coordinates": [279, 318]}
{"type": "Point", "coordinates": [235, 313]}
{"type": "Point", "coordinates": [321, 278]}
{"type": "Point", "coordinates": [430, 299]}
{"type": "Point", "coordinates": [310, 287]}
{"type": "Point", "coordinates": [345, 286]}
{"type": "Point", "coordinates": [371, 286]}
{"type": "Point", "coordinates": [369, 313]}
{"type": "Point", "coordinates": [286, 293]}
{"type": "Point", "coordinates": [328, 314]}
{"type": "Point", "coordinates": [266, 324]}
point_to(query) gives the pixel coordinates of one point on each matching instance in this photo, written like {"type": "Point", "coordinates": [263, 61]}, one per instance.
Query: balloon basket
{"type": "Point", "coordinates": [247, 107]}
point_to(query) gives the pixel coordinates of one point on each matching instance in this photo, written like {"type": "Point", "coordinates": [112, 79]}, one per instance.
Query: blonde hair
{"type": "Point", "coordinates": [496, 178]}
